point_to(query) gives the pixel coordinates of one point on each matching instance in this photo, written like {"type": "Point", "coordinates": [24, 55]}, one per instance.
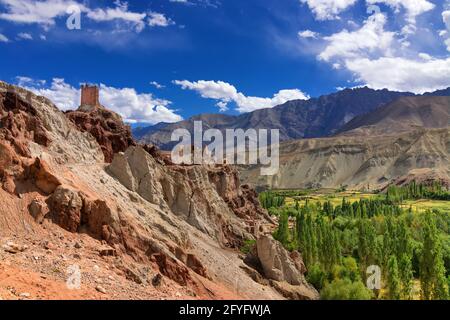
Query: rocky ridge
{"type": "Point", "coordinates": [152, 224]}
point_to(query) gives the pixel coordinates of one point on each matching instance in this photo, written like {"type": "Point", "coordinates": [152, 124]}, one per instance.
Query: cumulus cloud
{"type": "Point", "coordinates": [40, 12]}
{"type": "Point", "coordinates": [131, 105]}
{"type": "Point", "coordinates": [3, 38]}
{"type": "Point", "coordinates": [328, 9]}
{"type": "Point", "coordinates": [156, 19]}
{"type": "Point", "coordinates": [120, 12]}
{"type": "Point", "coordinates": [45, 12]}
{"type": "Point", "coordinates": [308, 34]}
{"type": "Point", "coordinates": [24, 36]}
{"type": "Point", "coordinates": [413, 8]}
{"type": "Point", "coordinates": [23, 81]}
{"type": "Point", "coordinates": [226, 93]}
{"type": "Point", "coordinates": [63, 95]}
{"type": "Point", "coordinates": [446, 19]}
{"type": "Point", "coordinates": [157, 85]}
{"type": "Point", "coordinates": [369, 38]}
{"type": "Point", "coordinates": [378, 59]}
{"type": "Point", "coordinates": [403, 74]}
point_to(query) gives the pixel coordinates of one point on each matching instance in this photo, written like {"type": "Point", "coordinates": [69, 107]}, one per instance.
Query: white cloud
{"type": "Point", "coordinates": [226, 93]}
{"type": "Point", "coordinates": [402, 74]}
{"type": "Point", "coordinates": [157, 85]}
{"type": "Point", "coordinates": [120, 12]}
{"type": "Point", "coordinates": [24, 36]}
{"type": "Point", "coordinates": [328, 9]}
{"type": "Point", "coordinates": [371, 37]}
{"type": "Point", "coordinates": [132, 106]}
{"type": "Point", "coordinates": [137, 107]}
{"type": "Point", "coordinates": [45, 12]}
{"type": "Point", "coordinates": [446, 19]}
{"type": "Point", "coordinates": [63, 95]}
{"type": "Point", "coordinates": [3, 38]}
{"type": "Point", "coordinates": [308, 34]}
{"type": "Point", "coordinates": [156, 19]}
{"type": "Point", "coordinates": [23, 81]}
{"type": "Point", "coordinates": [413, 8]}
{"type": "Point", "coordinates": [40, 12]}
{"type": "Point", "coordinates": [378, 59]}
{"type": "Point", "coordinates": [425, 56]}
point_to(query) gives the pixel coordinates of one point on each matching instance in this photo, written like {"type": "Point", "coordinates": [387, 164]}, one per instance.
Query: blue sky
{"type": "Point", "coordinates": [166, 60]}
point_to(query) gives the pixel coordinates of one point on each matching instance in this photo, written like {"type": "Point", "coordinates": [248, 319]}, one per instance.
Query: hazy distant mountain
{"type": "Point", "coordinates": [358, 161]}
{"type": "Point", "coordinates": [402, 115]}
{"type": "Point", "coordinates": [317, 117]}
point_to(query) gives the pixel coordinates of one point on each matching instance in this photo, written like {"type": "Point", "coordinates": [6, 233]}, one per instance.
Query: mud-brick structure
{"type": "Point", "coordinates": [89, 95]}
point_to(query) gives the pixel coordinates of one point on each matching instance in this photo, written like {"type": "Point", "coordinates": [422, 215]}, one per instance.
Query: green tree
{"type": "Point", "coordinates": [406, 276]}
{"type": "Point", "coordinates": [432, 269]}
{"type": "Point", "coordinates": [282, 233]}
{"type": "Point", "coordinates": [393, 280]}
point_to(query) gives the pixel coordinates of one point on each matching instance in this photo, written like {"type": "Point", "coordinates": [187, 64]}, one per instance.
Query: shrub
{"type": "Point", "coordinates": [345, 289]}
{"type": "Point", "coordinates": [248, 246]}
{"type": "Point", "coordinates": [316, 276]}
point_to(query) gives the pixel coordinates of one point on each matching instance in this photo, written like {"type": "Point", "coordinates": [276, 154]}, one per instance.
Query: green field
{"type": "Point", "coordinates": [335, 197]}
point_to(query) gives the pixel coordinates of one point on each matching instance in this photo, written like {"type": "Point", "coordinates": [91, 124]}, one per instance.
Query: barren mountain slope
{"type": "Point", "coordinates": [137, 228]}
{"type": "Point", "coordinates": [406, 138]}
{"type": "Point", "coordinates": [402, 115]}
{"type": "Point", "coordinates": [358, 161]}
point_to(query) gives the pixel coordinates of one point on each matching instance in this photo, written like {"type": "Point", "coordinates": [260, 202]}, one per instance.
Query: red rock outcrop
{"type": "Point", "coordinates": [40, 174]}
{"type": "Point", "coordinates": [106, 126]}
{"type": "Point", "coordinates": [19, 124]}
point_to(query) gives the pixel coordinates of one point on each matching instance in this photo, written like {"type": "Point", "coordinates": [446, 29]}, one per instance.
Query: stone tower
{"type": "Point", "coordinates": [89, 95]}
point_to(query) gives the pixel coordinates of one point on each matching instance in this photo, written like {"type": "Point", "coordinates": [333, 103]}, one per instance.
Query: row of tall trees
{"type": "Point", "coordinates": [413, 191]}
{"type": "Point", "coordinates": [371, 232]}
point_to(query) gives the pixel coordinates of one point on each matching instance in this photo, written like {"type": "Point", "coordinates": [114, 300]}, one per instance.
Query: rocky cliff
{"type": "Point", "coordinates": [106, 126]}
{"type": "Point", "coordinates": [138, 227]}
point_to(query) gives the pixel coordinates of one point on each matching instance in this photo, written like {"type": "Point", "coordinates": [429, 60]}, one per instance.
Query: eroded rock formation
{"type": "Point", "coordinates": [209, 198]}
{"type": "Point", "coordinates": [144, 213]}
{"type": "Point", "coordinates": [106, 126]}
{"type": "Point", "coordinates": [285, 270]}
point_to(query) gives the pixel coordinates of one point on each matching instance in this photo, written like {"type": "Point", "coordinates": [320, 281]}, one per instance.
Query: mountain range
{"type": "Point", "coordinates": [297, 119]}
{"type": "Point", "coordinates": [361, 138]}
{"type": "Point", "coordinates": [408, 139]}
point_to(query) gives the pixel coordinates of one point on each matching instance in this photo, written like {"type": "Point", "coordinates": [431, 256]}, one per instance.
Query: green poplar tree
{"type": "Point", "coordinates": [393, 279]}
{"type": "Point", "coordinates": [432, 270]}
